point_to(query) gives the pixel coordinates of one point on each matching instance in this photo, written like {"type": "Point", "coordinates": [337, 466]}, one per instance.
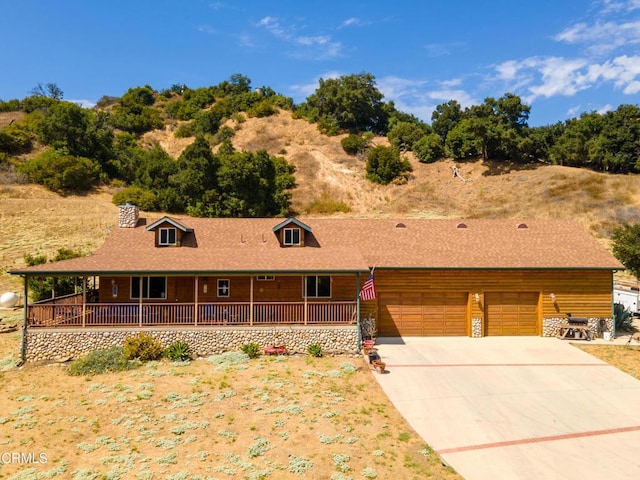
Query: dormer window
{"type": "Point", "coordinates": [167, 236]}
{"type": "Point", "coordinates": [169, 233]}
{"type": "Point", "coordinates": [292, 233]}
{"type": "Point", "coordinates": [291, 236]}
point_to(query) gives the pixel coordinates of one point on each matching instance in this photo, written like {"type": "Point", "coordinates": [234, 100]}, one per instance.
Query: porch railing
{"type": "Point", "coordinates": [157, 314]}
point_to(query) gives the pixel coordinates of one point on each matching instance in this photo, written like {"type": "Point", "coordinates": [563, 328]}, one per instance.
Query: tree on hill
{"type": "Point", "coordinates": [349, 103]}
{"type": "Point", "coordinates": [197, 173]}
{"type": "Point", "coordinates": [253, 184]}
{"type": "Point", "coordinates": [445, 117]}
{"type": "Point", "coordinates": [50, 90]}
{"type": "Point", "coordinates": [626, 247]}
{"type": "Point", "coordinates": [134, 113]}
{"type": "Point", "coordinates": [493, 129]}
{"type": "Point", "coordinates": [76, 130]}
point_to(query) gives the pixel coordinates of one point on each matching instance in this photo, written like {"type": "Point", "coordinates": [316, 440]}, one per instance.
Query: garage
{"type": "Point", "coordinates": [511, 313]}
{"type": "Point", "coordinates": [422, 314]}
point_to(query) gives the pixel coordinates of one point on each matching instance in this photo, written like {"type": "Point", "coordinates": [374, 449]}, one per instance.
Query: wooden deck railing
{"type": "Point", "coordinates": [156, 314]}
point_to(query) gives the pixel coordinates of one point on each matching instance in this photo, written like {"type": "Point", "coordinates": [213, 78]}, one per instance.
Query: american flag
{"type": "Point", "coordinates": [368, 291]}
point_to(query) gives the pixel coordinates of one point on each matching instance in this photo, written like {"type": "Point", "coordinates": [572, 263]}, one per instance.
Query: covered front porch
{"type": "Point", "coordinates": [72, 311]}
{"type": "Point", "coordinates": [234, 300]}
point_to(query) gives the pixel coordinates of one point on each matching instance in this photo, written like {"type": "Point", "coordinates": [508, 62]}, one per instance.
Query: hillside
{"type": "Point", "coordinates": [36, 221]}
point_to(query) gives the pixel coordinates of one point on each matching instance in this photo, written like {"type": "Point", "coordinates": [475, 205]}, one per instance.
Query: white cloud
{"type": "Point", "coordinates": [614, 6]}
{"type": "Point", "coordinates": [558, 76]}
{"type": "Point", "coordinates": [208, 29]}
{"type": "Point", "coordinates": [317, 47]}
{"type": "Point", "coordinates": [464, 98]}
{"type": "Point", "coordinates": [304, 90]}
{"type": "Point", "coordinates": [602, 38]}
{"type": "Point", "coordinates": [604, 109]}
{"type": "Point", "coordinates": [350, 22]}
{"type": "Point", "coordinates": [83, 103]}
{"type": "Point", "coordinates": [411, 96]}
{"type": "Point", "coordinates": [441, 49]}
{"type": "Point", "coordinates": [394, 88]}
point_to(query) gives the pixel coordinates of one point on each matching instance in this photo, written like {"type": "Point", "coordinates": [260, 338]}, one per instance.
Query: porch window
{"type": "Point", "coordinates": [317, 286]}
{"type": "Point", "coordinates": [291, 236]}
{"type": "Point", "coordinates": [167, 236]}
{"type": "Point", "coordinates": [152, 287]}
{"type": "Point", "coordinates": [265, 278]}
{"type": "Point", "coordinates": [224, 289]}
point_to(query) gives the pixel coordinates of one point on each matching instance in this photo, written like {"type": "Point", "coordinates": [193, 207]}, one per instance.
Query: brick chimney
{"type": "Point", "coordinates": [128, 215]}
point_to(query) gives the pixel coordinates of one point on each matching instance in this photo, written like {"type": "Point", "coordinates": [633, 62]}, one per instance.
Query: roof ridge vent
{"type": "Point", "coordinates": [461, 225]}
{"type": "Point", "coordinates": [522, 226]}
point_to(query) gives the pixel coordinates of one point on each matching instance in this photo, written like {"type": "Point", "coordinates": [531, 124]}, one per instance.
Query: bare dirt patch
{"type": "Point", "coordinates": [7, 118]}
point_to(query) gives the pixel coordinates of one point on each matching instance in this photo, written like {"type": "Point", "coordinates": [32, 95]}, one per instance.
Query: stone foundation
{"type": "Point", "coordinates": [551, 326]}
{"type": "Point", "coordinates": [476, 327]}
{"type": "Point", "coordinates": [52, 344]}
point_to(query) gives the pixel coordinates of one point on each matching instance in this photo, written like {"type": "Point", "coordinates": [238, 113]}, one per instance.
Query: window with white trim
{"type": "Point", "coordinates": [224, 288]}
{"type": "Point", "coordinates": [317, 286]}
{"type": "Point", "coordinates": [167, 236]}
{"type": "Point", "coordinates": [152, 287]}
{"type": "Point", "coordinates": [265, 278]}
{"type": "Point", "coordinates": [291, 236]}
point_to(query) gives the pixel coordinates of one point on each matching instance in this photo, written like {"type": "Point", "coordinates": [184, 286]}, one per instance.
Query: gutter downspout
{"type": "Point", "coordinates": [358, 287]}
{"type": "Point", "coordinates": [613, 311]}
{"type": "Point", "coordinates": [23, 347]}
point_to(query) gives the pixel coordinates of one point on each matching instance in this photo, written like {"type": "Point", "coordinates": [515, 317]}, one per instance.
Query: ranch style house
{"type": "Point", "coordinates": [221, 282]}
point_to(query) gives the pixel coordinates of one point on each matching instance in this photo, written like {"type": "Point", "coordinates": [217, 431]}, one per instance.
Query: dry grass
{"type": "Point", "coordinates": [38, 222]}
{"type": "Point", "coordinates": [626, 358]}
{"type": "Point", "coordinates": [268, 418]}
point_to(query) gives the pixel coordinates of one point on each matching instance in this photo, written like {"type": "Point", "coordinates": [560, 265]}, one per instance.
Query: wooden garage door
{"type": "Point", "coordinates": [511, 313]}
{"type": "Point", "coordinates": [422, 314]}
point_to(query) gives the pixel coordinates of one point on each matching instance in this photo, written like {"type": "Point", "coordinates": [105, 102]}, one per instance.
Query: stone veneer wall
{"type": "Point", "coordinates": [476, 327]}
{"type": "Point", "coordinates": [128, 215]}
{"type": "Point", "coordinates": [53, 344]}
{"type": "Point", "coordinates": [551, 326]}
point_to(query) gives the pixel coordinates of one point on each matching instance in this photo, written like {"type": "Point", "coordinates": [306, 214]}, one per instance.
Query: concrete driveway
{"type": "Point", "coordinates": [516, 407]}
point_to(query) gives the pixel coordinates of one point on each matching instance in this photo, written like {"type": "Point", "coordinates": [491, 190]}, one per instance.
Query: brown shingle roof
{"type": "Point", "coordinates": [346, 245]}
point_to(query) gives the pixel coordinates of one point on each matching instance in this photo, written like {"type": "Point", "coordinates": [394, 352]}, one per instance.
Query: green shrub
{"type": "Point", "coordinates": [262, 109]}
{"type": "Point", "coordinates": [384, 164]}
{"type": "Point", "coordinates": [251, 349]}
{"type": "Point", "coordinates": [315, 350]}
{"type": "Point", "coordinates": [144, 199]}
{"type": "Point", "coordinates": [142, 347]}
{"type": "Point", "coordinates": [185, 130]}
{"type": "Point", "coordinates": [102, 361]}
{"type": "Point", "coordinates": [178, 351]}
{"type": "Point", "coordinates": [429, 148]}
{"type": "Point", "coordinates": [325, 204]}
{"type": "Point", "coordinates": [61, 173]}
{"type": "Point", "coordinates": [354, 144]}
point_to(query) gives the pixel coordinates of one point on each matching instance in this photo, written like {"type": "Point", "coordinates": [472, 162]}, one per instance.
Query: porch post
{"type": "Point", "coordinates": [84, 302]}
{"type": "Point", "coordinates": [23, 347]}
{"type": "Point", "coordinates": [306, 314]}
{"type": "Point", "coordinates": [140, 302]}
{"type": "Point", "coordinates": [358, 287]}
{"type": "Point", "coordinates": [251, 301]}
{"type": "Point", "coordinates": [195, 301]}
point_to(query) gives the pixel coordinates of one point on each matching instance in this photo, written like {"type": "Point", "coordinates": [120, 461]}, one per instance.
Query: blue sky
{"type": "Point", "coordinates": [562, 57]}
